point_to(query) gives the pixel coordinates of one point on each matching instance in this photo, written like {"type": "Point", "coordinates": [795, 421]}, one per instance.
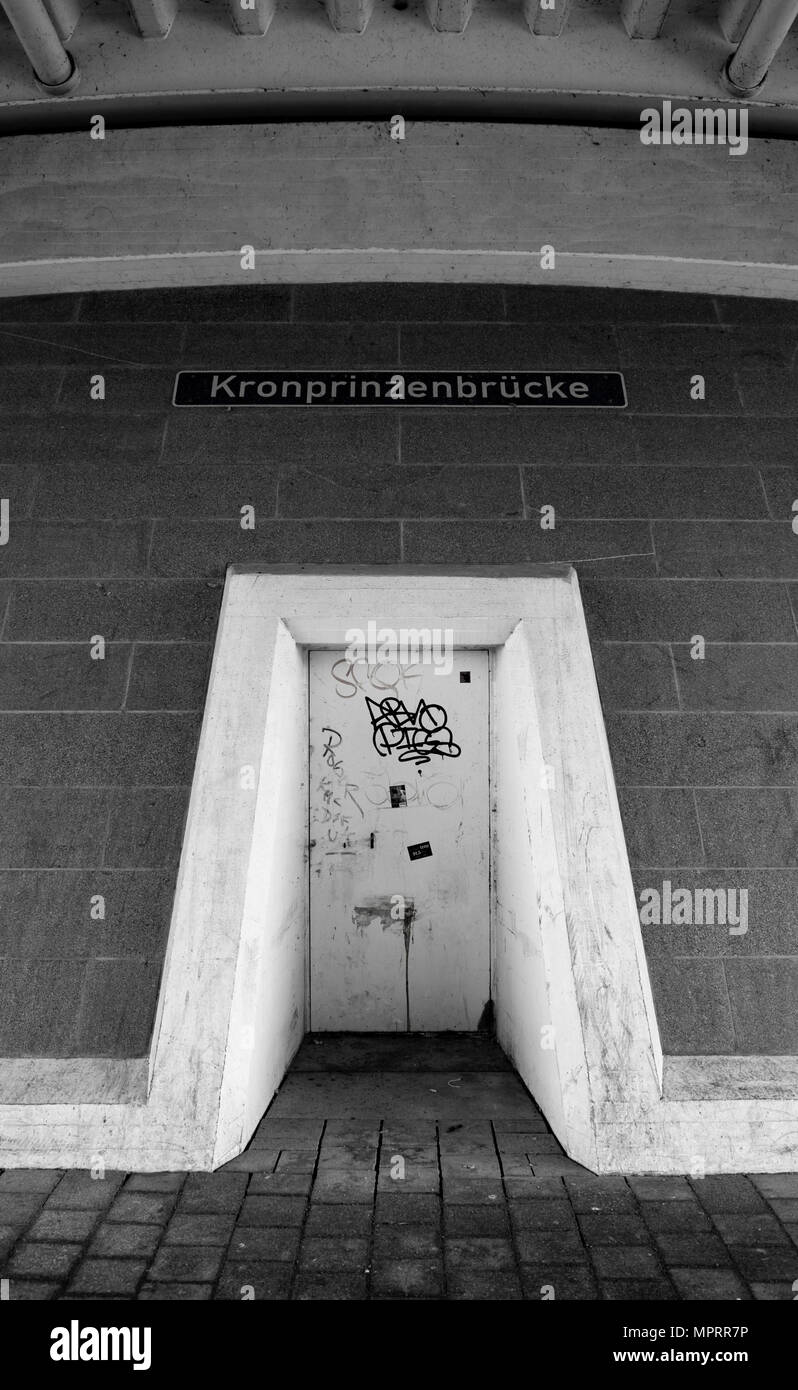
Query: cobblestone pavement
{"type": "Point", "coordinates": [398, 1168]}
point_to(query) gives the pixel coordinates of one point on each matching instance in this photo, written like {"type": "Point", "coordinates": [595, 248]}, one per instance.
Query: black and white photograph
{"type": "Point", "coordinates": [398, 677]}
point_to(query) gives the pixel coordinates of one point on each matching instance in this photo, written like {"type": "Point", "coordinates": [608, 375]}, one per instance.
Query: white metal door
{"type": "Point", "coordinates": [399, 857]}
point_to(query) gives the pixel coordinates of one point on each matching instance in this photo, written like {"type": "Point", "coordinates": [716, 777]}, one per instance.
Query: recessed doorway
{"type": "Point", "coordinates": [399, 843]}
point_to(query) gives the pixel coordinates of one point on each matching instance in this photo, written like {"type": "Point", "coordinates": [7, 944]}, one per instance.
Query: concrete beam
{"type": "Point", "coordinates": [547, 17]}
{"type": "Point", "coordinates": [251, 16]}
{"type": "Point", "coordinates": [734, 16]}
{"type": "Point", "coordinates": [343, 201]}
{"type": "Point", "coordinates": [449, 16]}
{"type": "Point", "coordinates": [153, 18]}
{"type": "Point", "coordinates": [65, 15]}
{"type": "Point", "coordinates": [349, 16]}
{"type": "Point", "coordinates": [643, 19]}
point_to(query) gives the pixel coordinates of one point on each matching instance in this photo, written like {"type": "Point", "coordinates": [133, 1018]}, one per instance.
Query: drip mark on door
{"type": "Point", "coordinates": [395, 912]}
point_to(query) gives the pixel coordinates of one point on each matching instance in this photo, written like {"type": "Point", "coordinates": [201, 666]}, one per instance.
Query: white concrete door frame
{"type": "Point", "coordinates": [573, 1002]}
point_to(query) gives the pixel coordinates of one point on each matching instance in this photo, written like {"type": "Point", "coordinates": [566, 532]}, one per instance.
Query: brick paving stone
{"type": "Point", "coordinates": [411, 1153]}
{"type": "Point", "coordinates": [81, 1192]}
{"type": "Point", "coordinates": [175, 1293]}
{"type": "Point", "coordinates": [773, 1292]}
{"type": "Point", "coordinates": [536, 1247]}
{"type": "Point", "coordinates": [288, 1134]}
{"type": "Point", "coordinates": [465, 1134]}
{"type": "Point", "coordinates": [522, 1126]}
{"type": "Point", "coordinates": [17, 1209]}
{"type": "Point", "coordinates": [257, 1280]}
{"type": "Point", "coordinates": [600, 1194]}
{"type": "Point", "coordinates": [748, 1229]}
{"type": "Point", "coordinates": [150, 1208]}
{"type": "Point", "coordinates": [154, 1182]}
{"type": "Point", "coordinates": [319, 1253]}
{"type": "Point", "coordinates": [477, 1221]}
{"type": "Point", "coordinates": [360, 1129]}
{"type": "Point", "coordinates": [94, 1298]}
{"type": "Point", "coordinates": [273, 1184]}
{"type": "Point", "coordinates": [187, 1264]}
{"type": "Point", "coordinates": [118, 1240]}
{"type": "Point", "coordinates": [702, 1248]}
{"type": "Point", "coordinates": [792, 1232]}
{"type": "Point", "coordinates": [531, 1189]}
{"type": "Point", "coordinates": [552, 1215]}
{"type": "Point", "coordinates": [786, 1208]}
{"type": "Point", "coordinates": [343, 1186]}
{"type": "Point", "coordinates": [202, 1229]}
{"type": "Point", "coordinates": [727, 1192]}
{"type": "Point", "coordinates": [563, 1281]}
{"type": "Point", "coordinates": [419, 1177]}
{"type": "Point", "coordinates": [264, 1243]}
{"type": "Point", "coordinates": [8, 1236]}
{"type": "Point", "coordinates": [471, 1191]}
{"type": "Point", "coordinates": [661, 1189]}
{"type": "Point", "coordinates": [711, 1284]}
{"type": "Point", "coordinates": [767, 1263]}
{"type": "Point", "coordinates": [555, 1166]}
{"type": "Point", "coordinates": [516, 1167]}
{"type": "Point", "coordinates": [408, 1278]}
{"type": "Point", "coordinates": [325, 1219]}
{"type": "Point", "coordinates": [470, 1165]}
{"type": "Point", "coordinates": [485, 1252]}
{"type": "Point", "coordinates": [64, 1225]}
{"type": "Point", "coordinates": [675, 1216]}
{"type": "Point", "coordinates": [272, 1211]}
{"type": "Point", "coordinates": [213, 1193]}
{"type": "Point", "coordinates": [500, 1285]}
{"type": "Point", "coordinates": [296, 1161]}
{"type": "Point", "coordinates": [335, 1152]}
{"type": "Point", "coordinates": [108, 1277]}
{"type": "Point", "coordinates": [410, 1207]}
{"type": "Point", "coordinates": [252, 1161]}
{"type": "Point", "coordinates": [424, 1134]}
{"type": "Point", "coordinates": [625, 1262]}
{"type": "Point", "coordinates": [513, 1145]}
{"type": "Point", "coordinates": [32, 1290]}
{"type": "Point", "coordinates": [29, 1180]}
{"type": "Point", "coordinates": [613, 1228]}
{"type": "Point", "coordinates": [656, 1290]}
{"type": "Point", "coordinates": [776, 1184]}
{"type": "Point", "coordinates": [538, 1144]}
{"type": "Point", "coordinates": [43, 1260]}
{"type": "Point", "coordinates": [335, 1286]}
{"type": "Point", "coordinates": [393, 1242]}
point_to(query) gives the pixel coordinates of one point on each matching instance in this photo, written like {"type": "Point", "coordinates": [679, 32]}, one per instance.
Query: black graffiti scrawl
{"type": "Point", "coordinates": [414, 735]}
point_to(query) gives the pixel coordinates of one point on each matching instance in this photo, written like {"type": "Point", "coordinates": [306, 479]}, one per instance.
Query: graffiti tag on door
{"type": "Point", "coordinates": [414, 735]}
{"type": "Point", "coordinates": [334, 814]}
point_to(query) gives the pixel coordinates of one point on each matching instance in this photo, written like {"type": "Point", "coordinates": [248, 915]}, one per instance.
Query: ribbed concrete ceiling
{"type": "Point", "coordinates": [201, 57]}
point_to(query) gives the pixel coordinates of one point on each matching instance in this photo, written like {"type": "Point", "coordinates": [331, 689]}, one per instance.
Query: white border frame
{"type": "Point", "coordinates": [231, 1005]}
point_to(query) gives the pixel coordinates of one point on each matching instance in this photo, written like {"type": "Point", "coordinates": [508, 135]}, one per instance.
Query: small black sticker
{"type": "Point", "coordinates": [398, 795]}
{"type": "Point", "coordinates": [465, 677]}
{"type": "Point", "coordinates": [422, 851]}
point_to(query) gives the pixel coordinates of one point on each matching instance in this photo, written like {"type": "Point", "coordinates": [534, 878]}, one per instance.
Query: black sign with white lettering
{"type": "Point", "coordinates": [406, 389]}
{"type": "Point", "coordinates": [422, 851]}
